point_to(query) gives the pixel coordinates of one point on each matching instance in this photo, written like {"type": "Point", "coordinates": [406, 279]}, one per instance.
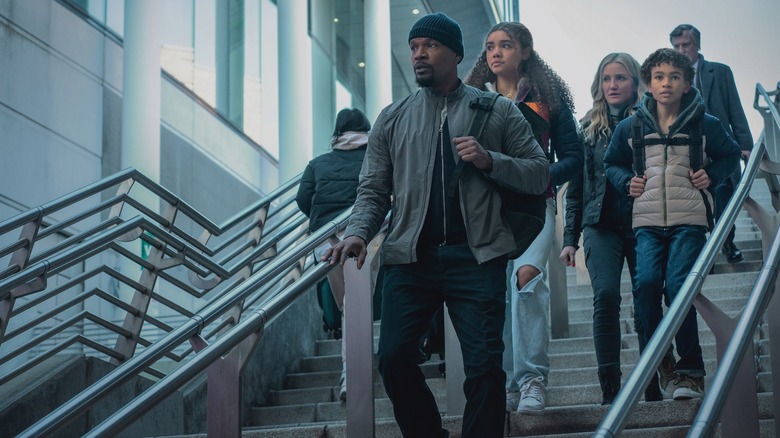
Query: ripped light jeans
{"type": "Point", "coordinates": [527, 322]}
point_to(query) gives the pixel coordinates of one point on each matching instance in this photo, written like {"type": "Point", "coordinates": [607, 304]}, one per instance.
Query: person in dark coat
{"type": "Point", "coordinates": [329, 182]}
{"type": "Point", "coordinates": [328, 187]}
{"type": "Point", "coordinates": [715, 82]}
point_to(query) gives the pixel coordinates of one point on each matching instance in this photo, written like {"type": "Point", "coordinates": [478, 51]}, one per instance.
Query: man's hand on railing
{"type": "Point", "coordinates": [351, 247]}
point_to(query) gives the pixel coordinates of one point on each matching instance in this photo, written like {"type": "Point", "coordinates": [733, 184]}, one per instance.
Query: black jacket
{"type": "Point", "coordinates": [721, 99]}
{"type": "Point", "coordinates": [329, 185]}
{"type": "Point", "coordinates": [590, 199]}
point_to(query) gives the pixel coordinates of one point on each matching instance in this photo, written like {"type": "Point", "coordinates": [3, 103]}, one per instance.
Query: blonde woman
{"type": "Point", "coordinates": [595, 210]}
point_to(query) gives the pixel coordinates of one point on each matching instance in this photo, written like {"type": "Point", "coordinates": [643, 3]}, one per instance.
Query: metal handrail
{"type": "Point", "coordinates": [192, 327]}
{"type": "Point", "coordinates": [269, 226]}
{"type": "Point", "coordinates": [254, 323]}
{"type": "Point", "coordinates": [130, 176]}
{"type": "Point", "coordinates": [763, 292]}
{"type": "Point", "coordinates": [715, 400]}
{"type": "Point", "coordinates": [648, 363]}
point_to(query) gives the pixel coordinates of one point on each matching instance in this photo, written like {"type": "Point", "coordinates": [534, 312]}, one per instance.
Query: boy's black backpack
{"type": "Point", "coordinates": [525, 213]}
{"type": "Point", "coordinates": [639, 142]}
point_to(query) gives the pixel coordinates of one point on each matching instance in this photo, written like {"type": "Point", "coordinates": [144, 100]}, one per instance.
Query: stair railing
{"type": "Point", "coordinates": [742, 418]}
{"type": "Point", "coordinates": [89, 244]}
{"type": "Point", "coordinates": [766, 286]}
{"type": "Point", "coordinates": [239, 341]}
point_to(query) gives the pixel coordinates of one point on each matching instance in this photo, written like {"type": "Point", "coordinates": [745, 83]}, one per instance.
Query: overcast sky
{"type": "Point", "coordinates": [574, 35]}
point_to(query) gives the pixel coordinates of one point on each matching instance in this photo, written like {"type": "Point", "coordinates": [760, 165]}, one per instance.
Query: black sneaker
{"type": "Point", "coordinates": [732, 253]}
{"type": "Point", "coordinates": [653, 392]}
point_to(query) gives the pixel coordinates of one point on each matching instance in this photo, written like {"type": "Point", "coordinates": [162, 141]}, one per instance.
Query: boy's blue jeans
{"type": "Point", "coordinates": [664, 258]}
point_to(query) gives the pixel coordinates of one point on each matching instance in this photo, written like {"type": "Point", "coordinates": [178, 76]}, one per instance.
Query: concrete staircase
{"type": "Point", "coordinates": [308, 406]}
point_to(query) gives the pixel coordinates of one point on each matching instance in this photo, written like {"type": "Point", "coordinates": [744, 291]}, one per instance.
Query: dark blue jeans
{"type": "Point", "coordinates": [475, 298]}
{"type": "Point", "coordinates": [722, 194]}
{"type": "Point", "coordinates": [665, 257]}
{"type": "Point", "coordinates": [605, 251]}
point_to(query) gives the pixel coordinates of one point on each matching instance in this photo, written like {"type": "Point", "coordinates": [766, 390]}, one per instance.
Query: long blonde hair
{"type": "Point", "coordinates": [596, 120]}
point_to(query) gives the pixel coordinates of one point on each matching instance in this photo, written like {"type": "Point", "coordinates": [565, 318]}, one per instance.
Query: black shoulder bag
{"type": "Point", "coordinates": [524, 213]}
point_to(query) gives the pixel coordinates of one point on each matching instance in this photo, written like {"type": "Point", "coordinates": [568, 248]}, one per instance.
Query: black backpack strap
{"type": "Point", "coordinates": [696, 145]}
{"type": "Point", "coordinates": [693, 141]}
{"type": "Point", "coordinates": [482, 106]}
{"type": "Point", "coordinates": [638, 145]}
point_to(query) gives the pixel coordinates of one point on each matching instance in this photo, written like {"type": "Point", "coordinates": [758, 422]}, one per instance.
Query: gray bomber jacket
{"type": "Point", "coordinates": [399, 162]}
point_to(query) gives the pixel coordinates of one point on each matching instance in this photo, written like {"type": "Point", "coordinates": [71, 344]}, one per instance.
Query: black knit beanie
{"type": "Point", "coordinates": [440, 28]}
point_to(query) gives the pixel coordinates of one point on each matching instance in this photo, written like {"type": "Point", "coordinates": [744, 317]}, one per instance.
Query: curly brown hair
{"type": "Point", "coordinates": [667, 56]}
{"type": "Point", "coordinates": [546, 85]}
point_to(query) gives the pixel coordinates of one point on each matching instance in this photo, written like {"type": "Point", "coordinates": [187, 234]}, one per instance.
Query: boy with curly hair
{"type": "Point", "coordinates": [664, 157]}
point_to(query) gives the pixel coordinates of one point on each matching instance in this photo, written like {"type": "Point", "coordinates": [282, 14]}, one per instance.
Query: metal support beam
{"type": "Point", "coordinates": [359, 337]}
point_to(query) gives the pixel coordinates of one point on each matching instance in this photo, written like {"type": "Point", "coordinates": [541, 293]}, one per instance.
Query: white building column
{"type": "Point", "coordinates": [229, 50]}
{"type": "Point", "coordinates": [323, 55]}
{"type": "Point", "coordinates": [295, 89]}
{"type": "Point", "coordinates": [141, 88]}
{"type": "Point", "coordinates": [379, 74]}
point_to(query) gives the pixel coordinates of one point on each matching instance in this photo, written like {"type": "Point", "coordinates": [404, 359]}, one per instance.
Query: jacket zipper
{"type": "Point", "coordinates": [663, 182]}
{"type": "Point", "coordinates": [443, 186]}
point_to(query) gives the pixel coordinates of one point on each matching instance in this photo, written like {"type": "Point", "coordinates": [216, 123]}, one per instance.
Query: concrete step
{"type": "Point", "coordinates": [320, 371]}
{"type": "Point", "coordinates": [725, 303]}
{"type": "Point", "coordinates": [586, 418]}
{"type": "Point", "coordinates": [714, 292]}
{"type": "Point", "coordinates": [720, 279]}
{"type": "Point", "coordinates": [308, 404]}
{"type": "Point", "coordinates": [581, 329]}
{"type": "Point", "coordinates": [322, 412]}
{"type": "Point", "coordinates": [656, 419]}
{"type": "Point", "coordinates": [332, 374]}
{"type": "Point", "coordinates": [766, 429]}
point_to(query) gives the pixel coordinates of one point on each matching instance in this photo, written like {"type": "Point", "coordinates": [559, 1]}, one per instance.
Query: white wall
{"type": "Point", "coordinates": [51, 98]}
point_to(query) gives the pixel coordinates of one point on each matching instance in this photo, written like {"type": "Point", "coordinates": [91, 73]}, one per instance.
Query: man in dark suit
{"type": "Point", "coordinates": [715, 81]}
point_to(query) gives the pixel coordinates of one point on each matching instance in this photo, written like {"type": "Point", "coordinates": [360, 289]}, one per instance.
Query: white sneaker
{"type": "Point", "coordinates": [512, 399]}
{"type": "Point", "coordinates": [343, 389]}
{"type": "Point", "coordinates": [533, 397]}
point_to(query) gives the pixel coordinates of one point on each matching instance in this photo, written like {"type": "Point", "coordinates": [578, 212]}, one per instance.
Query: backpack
{"type": "Point", "coordinates": [523, 212]}
{"type": "Point", "coordinates": [331, 315]}
{"type": "Point", "coordinates": [695, 153]}
{"type": "Point", "coordinates": [639, 142]}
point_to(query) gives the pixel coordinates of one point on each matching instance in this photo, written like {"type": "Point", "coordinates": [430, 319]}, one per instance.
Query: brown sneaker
{"type": "Point", "coordinates": [686, 387]}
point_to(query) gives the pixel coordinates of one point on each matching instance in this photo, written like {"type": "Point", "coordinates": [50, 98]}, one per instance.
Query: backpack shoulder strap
{"type": "Point", "coordinates": [482, 106]}
{"type": "Point", "coordinates": [696, 144]}
{"type": "Point", "coordinates": [638, 146]}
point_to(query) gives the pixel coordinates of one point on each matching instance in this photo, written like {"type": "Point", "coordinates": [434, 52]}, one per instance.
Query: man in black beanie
{"type": "Point", "coordinates": [447, 242]}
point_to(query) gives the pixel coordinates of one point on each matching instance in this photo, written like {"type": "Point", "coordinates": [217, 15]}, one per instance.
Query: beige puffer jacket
{"type": "Point", "coordinates": [670, 198]}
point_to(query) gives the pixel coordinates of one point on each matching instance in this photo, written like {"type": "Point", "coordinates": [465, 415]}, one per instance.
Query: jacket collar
{"type": "Point", "coordinates": [456, 94]}
{"type": "Point", "coordinates": [691, 109]}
